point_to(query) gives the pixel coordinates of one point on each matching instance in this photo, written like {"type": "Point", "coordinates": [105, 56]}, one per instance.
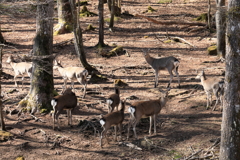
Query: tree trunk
{"type": "Point", "coordinates": [64, 18]}
{"type": "Point", "coordinates": [1, 37]}
{"type": "Point", "coordinates": [221, 28]}
{"type": "Point", "coordinates": [101, 24]}
{"type": "Point", "coordinates": [209, 15]}
{"type": "Point", "coordinates": [230, 135]}
{"type": "Point", "coordinates": [2, 124]}
{"type": "Point", "coordinates": [117, 7]}
{"type": "Point", "coordinates": [41, 90]}
{"type": "Point", "coordinates": [112, 15]}
{"type": "Point", "coordinates": [78, 38]}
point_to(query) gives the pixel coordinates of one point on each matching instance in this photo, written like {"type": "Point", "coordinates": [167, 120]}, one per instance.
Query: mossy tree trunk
{"type": "Point", "coordinates": [64, 18]}
{"type": "Point", "coordinates": [230, 131]}
{"type": "Point", "coordinates": [221, 28]}
{"type": "Point", "coordinates": [41, 90]}
{"type": "Point", "coordinates": [2, 124]}
{"type": "Point", "coordinates": [78, 43]}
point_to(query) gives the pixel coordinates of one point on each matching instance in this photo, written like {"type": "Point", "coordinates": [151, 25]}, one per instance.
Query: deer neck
{"type": "Point", "coordinates": [163, 101]}
{"type": "Point", "coordinates": [149, 59]}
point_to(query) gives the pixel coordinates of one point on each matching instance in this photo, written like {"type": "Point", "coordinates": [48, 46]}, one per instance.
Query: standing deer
{"type": "Point", "coordinates": [169, 63]}
{"type": "Point", "coordinates": [144, 109]}
{"type": "Point", "coordinates": [113, 100]}
{"type": "Point", "coordinates": [67, 101]}
{"type": "Point", "coordinates": [112, 119]}
{"type": "Point", "coordinates": [211, 85]}
{"type": "Point", "coordinates": [72, 73]}
{"type": "Point", "coordinates": [20, 69]}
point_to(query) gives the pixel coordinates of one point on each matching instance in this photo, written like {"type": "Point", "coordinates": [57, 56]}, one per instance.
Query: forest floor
{"type": "Point", "coordinates": [184, 127]}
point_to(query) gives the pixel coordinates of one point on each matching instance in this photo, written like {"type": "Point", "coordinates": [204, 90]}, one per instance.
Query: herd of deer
{"type": "Point", "coordinates": [141, 109]}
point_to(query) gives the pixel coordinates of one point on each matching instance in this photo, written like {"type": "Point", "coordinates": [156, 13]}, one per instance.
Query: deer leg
{"type": "Point", "coordinates": [115, 136]}
{"type": "Point", "coordinates": [217, 98]}
{"type": "Point", "coordinates": [176, 72]}
{"type": "Point", "coordinates": [156, 78]}
{"type": "Point", "coordinates": [72, 85]}
{"type": "Point", "coordinates": [150, 127]}
{"type": "Point", "coordinates": [101, 137]}
{"type": "Point", "coordinates": [120, 130]}
{"type": "Point", "coordinates": [129, 125]}
{"type": "Point", "coordinates": [171, 77]}
{"type": "Point", "coordinates": [208, 97]}
{"type": "Point", "coordinates": [154, 119]}
{"type": "Point", "coordinates": [16, 85]}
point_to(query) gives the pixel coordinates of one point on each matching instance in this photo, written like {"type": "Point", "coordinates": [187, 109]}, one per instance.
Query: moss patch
{"type": "Point", "coordinates": [85, 13]}
{"type": "Point", "coordinates": [202, 17]}
{"type": "Point", "coordinates": [98, 78]}
{"type": "Point", "coordinates": [20, 158]}
{"type": "Point", "coordinates": [115, 19]}
{"type": "Point", "coordinates": [212, 50]}
{"type": "Point", "coordinates": [164, 1]}
{"type": "Point", "coordinates": [150, 10]}
{"type": "Point", "coordinates": [120, 83]}
{"type": "Point", "coordinates": [90, 28]}
{"type": "Point", "coordinates": [4, 136]}
{"type": "Point", "coordinates": [115, 51]}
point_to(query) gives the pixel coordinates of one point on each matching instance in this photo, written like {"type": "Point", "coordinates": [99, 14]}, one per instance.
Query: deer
{"type": "Point", "coordinates": [66, 101]}
{"type": "Point", "coordinates": [20, 69]}
{"type": "Point", "coordinates": [145, 109]}
{"type": "Point", "coordinates": [112, 119]}
{"type": "Point", "coordinates": [166, 63]}
{"type": "Point", "coordinates": [211, 85]}
{"type": "Point", "coordinates": [72, 73]}
{"type": "Point", "coordinates": [113, 100]}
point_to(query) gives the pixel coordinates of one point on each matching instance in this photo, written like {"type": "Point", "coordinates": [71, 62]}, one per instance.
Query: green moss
{"type": "Point", "coordinates": [115, 19]}
{"type": "Point", "coordinates": [150, 9]}
{"type": "Point", "coordinates": [212, 50]}
{"type": "Point", "coordinates": [44, 110]}
{"type": "Point", "coordinates": [4, 136]}
{"type": "Point", "coordinates": [55, 93]}
{"type": "Point", "coordinates": [90, 28]}
{"type": "Point", "coordinates": [20, 158]}
{"type": "Point", "coordinates": [85, 13]}
{"type": "Point", "coordinates": [168, 41]}
{"type": "Point", "coordinates": [120, 83]}
{"type": "Point", "coordinates": [164, 1]}
{"type": "Point", "coordinates": [115, 51]}
{"type": "Point", "coordinates": [202, 17]}
{"type": "Point", "coordinates": [98, 77]}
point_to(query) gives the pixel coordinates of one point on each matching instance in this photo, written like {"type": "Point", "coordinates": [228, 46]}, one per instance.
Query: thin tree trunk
{"type": "Point", "coordinates": [209, 14]}
{"type": "Point", "coordinates": [101, 24]}
{"type": "Point", "coordinates": [2, 124]}
{"type": "Point", "coordinates": [64, 18]}
{"type": "Point", "coordinates": [230, 135]}
{"type": "Point", "coordinates": [78, 38]}
{"type": "Point", "coordinates": [1, 37]}
{"type": "Point", "coordinates": [41, 90]}
{"type": "Point", "coordinates": [112, 15]}
{"type": "Point", "coordinates": [221, 28]}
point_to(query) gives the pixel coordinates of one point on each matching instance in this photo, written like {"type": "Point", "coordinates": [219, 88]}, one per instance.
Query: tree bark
{"type": "Point", "coordinates": [112, 15]}
{"type": "Point", "coordinates": [221, 28]}
{"type": "Point", "coordinates": [230, 135]}
{"type": "Point", "coordinates": [65, 20]}
{"type": "Point", "coordinates": [1, 37]}
{"type": "Point", "coordinates": [78, 38]}
{"type": "Point", "coordinates": [2, 124]}
{"type": "Point", "coordinates": [41, 90]}
{"type": "Point", "coordinates": [101, 24]}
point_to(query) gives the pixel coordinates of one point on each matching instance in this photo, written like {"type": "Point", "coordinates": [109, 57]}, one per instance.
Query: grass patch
{"type": "Point", "coordinates": [164, 1]}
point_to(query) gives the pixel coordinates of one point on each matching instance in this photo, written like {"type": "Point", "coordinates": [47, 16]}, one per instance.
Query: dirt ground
{"type": "Point", "coordinates": [184, 127]}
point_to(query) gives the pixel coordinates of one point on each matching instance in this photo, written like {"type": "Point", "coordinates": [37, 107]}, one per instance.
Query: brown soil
{"type": "Point", "coordinates": [184, 126]}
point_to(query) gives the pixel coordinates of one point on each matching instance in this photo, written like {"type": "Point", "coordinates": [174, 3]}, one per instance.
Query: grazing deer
{"type": "Point", "coordinates": [67, 101]}
{"type": "Point", "coordinates": [213, 85]}
{"type": "Point", "coordinates": [112, 119]}
{"type": "Point", "coordinates": [169, 63]}
{"type": "Point", "coordinates": [144, 109]}
{"type": "Point", "coordinates": [113, 100]}
{"type": "Point", "coordinates": [72, 73]}
{"type": "Point", "coordinates": [20, 69]}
